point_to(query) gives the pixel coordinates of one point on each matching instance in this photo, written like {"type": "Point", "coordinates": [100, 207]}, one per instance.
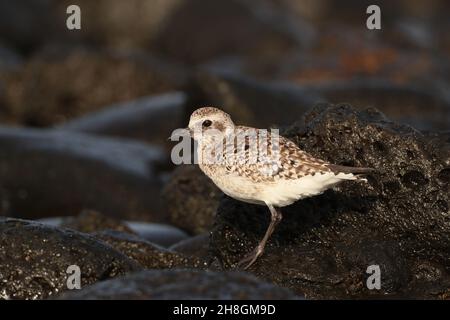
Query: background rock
{"type": "Point", "coordinates": [182, 284]}
{"type": "Point", "coordinates": [250, 102]}
{"type": "Point", "coordinates": [191, 199]}
{"type": "Point", "coordinates": [35, 258]}
{"type": "Point", "coordinates": [399, 220]}
{"type": "Point", "coordinates": [58, 84]}
{"type": "Point", "coordinates": [89, 221]}
{"type": "Point", "coordinates": [148, 255]}
{"type": "Point", "coordinates": [197, 246]}
{"type": "Point", "coordinates": [423, 107]}
{"type": "Point", "coordinates": [150, 119]}
{"type": "Point", "coordinates": [53, 173]}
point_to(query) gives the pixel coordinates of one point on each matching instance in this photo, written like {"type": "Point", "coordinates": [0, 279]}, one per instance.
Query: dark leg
{"type": "Point", "coordinates": [252, 256]}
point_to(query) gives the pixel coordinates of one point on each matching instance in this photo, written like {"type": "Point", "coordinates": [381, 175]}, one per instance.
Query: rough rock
{"type": "Point", "coordinates": [58, 84]}
{"type": "Point", "coordinates": [148, 255]}
{"type": "Point", "coordinates": [182, 284]}
{"type": "Point", "coordinates": [399, 220]}
{"type": "Point", "coordinates": [52, 173]}
{"type": "Point", "coordinates": [191, 199]}
{"type": "Point", "coordinates": [35, 257]}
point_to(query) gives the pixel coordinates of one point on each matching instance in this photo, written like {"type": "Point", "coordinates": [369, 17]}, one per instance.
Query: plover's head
{"type": "Point", "coordinates": [209, 121]}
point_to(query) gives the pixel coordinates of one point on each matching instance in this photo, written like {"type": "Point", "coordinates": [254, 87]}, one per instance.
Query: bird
{"type": "Point", "coordinates": [260, 166]}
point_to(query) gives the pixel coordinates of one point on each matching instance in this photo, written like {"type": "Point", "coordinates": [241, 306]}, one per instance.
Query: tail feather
{"type": "Point", "coordinates": [355, 170]}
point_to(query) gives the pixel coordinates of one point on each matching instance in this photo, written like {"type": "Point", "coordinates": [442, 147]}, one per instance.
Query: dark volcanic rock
{"type": "Point", "coordinates": [197, 31]}
{"type": "Point", "coordinates": [197, 246]}
{"type": "Point", "coordinates": [182, 284]}
{"type": "Point", "coordinates": [424, 108]}
{"type": "Point", "coordinates": [161, 234]}
{"type": "Point", "coordinates": [59, 84]}
{"type": "Point", "coordinates": [52, 173]}
{"type": "Point", "coordinates": [35, 257]}
{"type": "Point", "coordinates": [191, 199]}
{"type": "Point", "coordinates": [251, 102]}
{"type": "Point", "coordinates": [399, 220]}
{"type": "Point", "coordinates": [150, 119]}
{"type": "Point", "coordinates": [89, 221]}
{"type": "Point", "coordinates": [145, 253]}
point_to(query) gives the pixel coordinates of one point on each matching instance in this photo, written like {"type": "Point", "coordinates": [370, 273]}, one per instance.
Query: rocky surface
{"type": "Point", "coordinates": [399, 220]}
{"type": "Point", "coordinates": [147, 254]}
{"type": "Point", "coordinates": [80, 172]}
{"type": "Point", "coordinates": [182, 284]}
{"type": "Point", "coordinates": [35, 257]}
{"type": "Point", "coordinates": [191, 199]}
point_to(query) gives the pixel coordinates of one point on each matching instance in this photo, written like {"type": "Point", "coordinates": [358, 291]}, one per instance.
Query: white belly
{"type": "Point", "coordinates": [280, 192]}
{"type": "Point", "coordinates": [286, 192]}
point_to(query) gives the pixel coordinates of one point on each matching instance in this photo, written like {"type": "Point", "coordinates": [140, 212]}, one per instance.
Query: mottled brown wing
{"type": "Point", "coordinates": [271, 159]}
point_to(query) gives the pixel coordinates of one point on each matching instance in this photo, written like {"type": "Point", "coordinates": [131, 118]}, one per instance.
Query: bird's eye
{"type": "Point", "coordinates": [206, 123]}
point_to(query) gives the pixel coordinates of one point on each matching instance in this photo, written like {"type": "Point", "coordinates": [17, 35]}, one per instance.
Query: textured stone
{"type": "Point", "coordinates": [34, 259]}
{"type": "Point", "coordinates": [149, 255]}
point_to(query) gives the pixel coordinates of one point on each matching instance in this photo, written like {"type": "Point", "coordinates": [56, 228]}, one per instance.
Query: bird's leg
{"type": "Point", "coordinates": [252, 256]}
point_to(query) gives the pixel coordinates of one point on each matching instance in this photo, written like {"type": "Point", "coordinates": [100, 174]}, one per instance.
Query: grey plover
{"type": "Point", "coordinates": [275, 173]}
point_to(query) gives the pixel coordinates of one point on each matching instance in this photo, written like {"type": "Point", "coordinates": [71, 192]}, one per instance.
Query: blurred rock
{"type": "Point", "coordinates": [119, 24]}
{"type": "Point", "coordinates": [161, 234]}
{"type": "Point", "coordinates": [251, 102]}
{"type": "Point", "coordinates": [345, 53]}
{"type": "Point", "coordinates": [9, 59]}
{"type": "Point", "coordinates": [35, 257]}
{"type": "Point", "coordinates": [181, 285]}
{"type": "Point", "coordinates": [191, 199]}
{"type": "Point", "coordinates": [424, 108]}
{"type": "Point", "coordinates": [398, 220]}
{"type": "Point", "coordinates": [150, 119]}
{"type": "Point", "coordinates": [27, 24]}
{"type": "Point", "coordinates": [52, 173]}
{"type": "Point", "coordinates": [89, 221]}
{"type": "Point", "coordinates": [197, 31]}
{"type": "Point", "coordinates": [148, 255]}
{"type": "Point", "coordinates": [197, 246]}
{"type": "Point", "coordinates": [62, 83]}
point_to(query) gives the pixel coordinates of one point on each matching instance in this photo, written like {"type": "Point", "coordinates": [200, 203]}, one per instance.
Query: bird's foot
{"type": "Point", "coordinates": [250, 258]}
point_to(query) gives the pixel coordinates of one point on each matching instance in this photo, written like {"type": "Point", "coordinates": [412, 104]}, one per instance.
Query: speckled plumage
{"type": "Point", "coordinates": [259, 166]}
